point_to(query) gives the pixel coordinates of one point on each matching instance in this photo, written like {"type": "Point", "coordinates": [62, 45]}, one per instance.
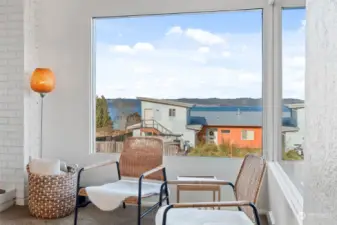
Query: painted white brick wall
{"type": "Point", "coordinates": [11, 94]}
{"type": "Point", "coordinates": [19, 106]}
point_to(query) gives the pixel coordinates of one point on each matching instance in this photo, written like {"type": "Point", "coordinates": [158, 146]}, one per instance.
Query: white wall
{"type": "Point", "coordinates": [19, 114]}
{"type": "Point", "coordinates": [176, 124]}
{"type": "Point", "coordinates": [64, 45]}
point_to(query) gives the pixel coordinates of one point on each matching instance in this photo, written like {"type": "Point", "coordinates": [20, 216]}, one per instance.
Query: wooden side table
{"type": "Point", "coordinates": [198, 187]}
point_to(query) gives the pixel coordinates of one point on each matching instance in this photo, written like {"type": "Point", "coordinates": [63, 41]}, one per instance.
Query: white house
{"type": "Point", "coordinates": [166, 118]}
{"type": "Point", "coordinates": [296, 138]}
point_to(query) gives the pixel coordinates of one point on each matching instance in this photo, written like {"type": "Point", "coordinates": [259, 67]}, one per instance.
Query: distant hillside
{"type": "Point", "coordinates": [130, 103]}
{"type": "Point", "coordinates": [233, 102]}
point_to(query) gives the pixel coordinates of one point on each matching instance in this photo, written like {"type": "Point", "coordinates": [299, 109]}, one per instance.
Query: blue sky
{"type": "Point", "coordinates": [194, 55]}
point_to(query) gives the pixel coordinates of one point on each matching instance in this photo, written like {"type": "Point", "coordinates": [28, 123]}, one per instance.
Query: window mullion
{"type": "Point", "coordinates": [267, 82]}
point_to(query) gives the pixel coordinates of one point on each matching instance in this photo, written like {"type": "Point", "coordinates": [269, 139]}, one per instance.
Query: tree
{"type": "Point", "coordinates": [102, 113]}
{"type": "Point", "coordinates": [133, 118]}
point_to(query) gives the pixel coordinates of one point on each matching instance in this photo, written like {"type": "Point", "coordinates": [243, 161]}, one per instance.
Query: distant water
{"type": "Point", "coordinates": [121, 108]}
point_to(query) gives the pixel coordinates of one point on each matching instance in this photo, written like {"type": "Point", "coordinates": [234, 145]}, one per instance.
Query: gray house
{"type": "Point", "coordinates": [165, 118]}
{"type": "Point", "coordinates": [293, 139]}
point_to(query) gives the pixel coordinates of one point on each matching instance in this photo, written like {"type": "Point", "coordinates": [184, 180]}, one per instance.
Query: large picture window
{"type": "Point", "coordinates": [293, 71]}
{"type": "Point", "coordinates": [186, 78]}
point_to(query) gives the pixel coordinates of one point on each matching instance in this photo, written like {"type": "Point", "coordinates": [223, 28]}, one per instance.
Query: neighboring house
{"type": "Point", "coordinates": [241, 126]}
{"type": "Point", "coordinates": [165, 118]}
{"type": "Point", "coordinates": [292, 139]}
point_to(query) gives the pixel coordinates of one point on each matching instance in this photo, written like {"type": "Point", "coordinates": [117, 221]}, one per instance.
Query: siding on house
{"type": "Point", "coordinates": [233, 135]}
{"type": "Point", "coordinates": [293, 138]}
{"type": "Point", "coordinates": [176, 124]}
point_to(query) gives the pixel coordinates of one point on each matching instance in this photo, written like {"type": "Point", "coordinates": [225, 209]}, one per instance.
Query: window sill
{"type": "Point", "coordinates": [290, 192]}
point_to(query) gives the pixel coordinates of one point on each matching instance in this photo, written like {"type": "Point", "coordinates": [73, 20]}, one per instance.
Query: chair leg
{"type": "Point", "coordinates": [167, 195]}
{"type": "Point", "coordinates": [256, 214]}
{"type": "Point", "coordinates": [139, 214]}
{"type": "Point", "coordinates": [75, 215]}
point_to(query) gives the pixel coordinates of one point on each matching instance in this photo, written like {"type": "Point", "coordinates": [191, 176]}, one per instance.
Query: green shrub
{"type": "Point", "coordinates": [222, 150]}
{"type": "Point", "coordinates": [291, 155]}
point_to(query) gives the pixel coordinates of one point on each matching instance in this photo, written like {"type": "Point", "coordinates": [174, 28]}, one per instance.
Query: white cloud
{"type": "Point", "coordinates": [174, 30]}
{"type": "Point", "coordinates": [226, 54]}
{"type": "Point", "coordinates": [304, 23]}
{"type": "Point", "coordinates": [140, 46]}
{"type": "Point", "coordinates": [201, 36]}
{"type": "Point", "coordinates": [204, 37]}
{"type": "Point", "coordinates": [142, 69]}
{"type": "Point", "coordinates": [121, 48]}
{"type": "Point", "coordinates": [203, 49]}
{"type": "Point", "coordinates": [143, 47]}
{"type": "Point", "coordinates": [214, 65]}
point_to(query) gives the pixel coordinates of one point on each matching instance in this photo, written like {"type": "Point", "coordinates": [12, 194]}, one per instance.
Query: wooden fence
{"type": "Point", "coordinates": [170, 149]}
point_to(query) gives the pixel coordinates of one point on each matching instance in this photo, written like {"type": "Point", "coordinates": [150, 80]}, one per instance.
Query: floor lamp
{"type": "Point", "coordinates": [42, 82]}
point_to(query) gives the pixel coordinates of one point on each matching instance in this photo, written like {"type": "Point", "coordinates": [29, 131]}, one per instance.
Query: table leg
{"type": "Point", "coordinates": [219, 196]}
{"type": "Point", "coordinates": [178, 195]}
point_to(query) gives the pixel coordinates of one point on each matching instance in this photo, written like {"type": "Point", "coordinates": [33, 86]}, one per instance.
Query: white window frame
{"type": "Point", "coordinates": [271, 52]}
{"type": "Point", "coordinates": [271, 44]}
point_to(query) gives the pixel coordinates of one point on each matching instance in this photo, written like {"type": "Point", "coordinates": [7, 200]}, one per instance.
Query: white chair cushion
{"type": "Point", "coordinates": [193, 216]}
{"type": "Point", "coordinates": [107, 197]}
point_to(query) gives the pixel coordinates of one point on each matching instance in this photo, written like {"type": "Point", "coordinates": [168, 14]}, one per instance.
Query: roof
{"type": "Point", "coordinates": [289, 129]}
{"type": "Point", "coordinates": [226, 118]}
{"type": "Point", "coordinates": [296, 106]}
{"type": "Point", "coordinates": [233, 116]}
{"type": "Point", "coordinates": [233, 108]}
{"type": "Point", "coordinates": [166, 102]}
{"type": "Point", "coordinates": [196, 127]}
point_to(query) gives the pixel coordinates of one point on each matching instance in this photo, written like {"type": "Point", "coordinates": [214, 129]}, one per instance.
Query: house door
{"type": "Point", "coordinates": [148, 117]}
{"type": "Point", "coordinates": [148, 114]}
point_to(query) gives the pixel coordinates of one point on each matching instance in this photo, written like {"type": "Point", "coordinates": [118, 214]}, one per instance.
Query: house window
{"type": "Point", "coordinates": [247, 135]}
{"type": "Point", "coordinates": [225, 131]}
{"type": "Point", "coordinates": [172, 112]}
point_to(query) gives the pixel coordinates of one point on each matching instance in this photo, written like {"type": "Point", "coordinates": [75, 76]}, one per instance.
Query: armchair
{"type": "Point", "coordinates": [141, 158]}
{"type": "Point", "coordinates": [246, 190]}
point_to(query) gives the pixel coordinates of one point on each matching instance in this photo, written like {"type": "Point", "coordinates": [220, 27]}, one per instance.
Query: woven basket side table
{"type": "Point", "coordinates": [52, 196]}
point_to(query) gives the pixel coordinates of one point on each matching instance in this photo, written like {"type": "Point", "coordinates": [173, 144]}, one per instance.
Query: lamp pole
{"type": "Point", "coordinates": [41, 124]}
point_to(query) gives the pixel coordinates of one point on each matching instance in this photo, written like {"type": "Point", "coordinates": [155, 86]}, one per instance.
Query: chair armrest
{"type": "Point", "coordinates": [147, 173]}
{"type": "Point", "coordinates": [96, 165]}
{"type": "Point", "coordinates": [211, 204]}
{"type": "Point", "coordinates": [200, 182]}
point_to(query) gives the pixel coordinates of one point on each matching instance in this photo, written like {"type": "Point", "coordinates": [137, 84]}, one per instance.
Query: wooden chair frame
{"type": "Point", "coordinates": [163, 195]}
{"type": "Point", "coordinates": [239, 201]}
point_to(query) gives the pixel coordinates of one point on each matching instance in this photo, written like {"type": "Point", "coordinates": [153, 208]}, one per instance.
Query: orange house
{"type": "Point", "coordinates": [239, 126]}
{"type": "Point", "coordinates": [242, 137]}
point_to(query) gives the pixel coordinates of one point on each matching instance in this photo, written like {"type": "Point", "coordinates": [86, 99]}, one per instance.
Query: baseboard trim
{"type": "Point", "coordinates": [21, 201]}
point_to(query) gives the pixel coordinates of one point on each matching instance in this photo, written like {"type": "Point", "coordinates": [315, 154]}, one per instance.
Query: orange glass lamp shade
{"type": "Point", "coordinates": [42, 81]}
